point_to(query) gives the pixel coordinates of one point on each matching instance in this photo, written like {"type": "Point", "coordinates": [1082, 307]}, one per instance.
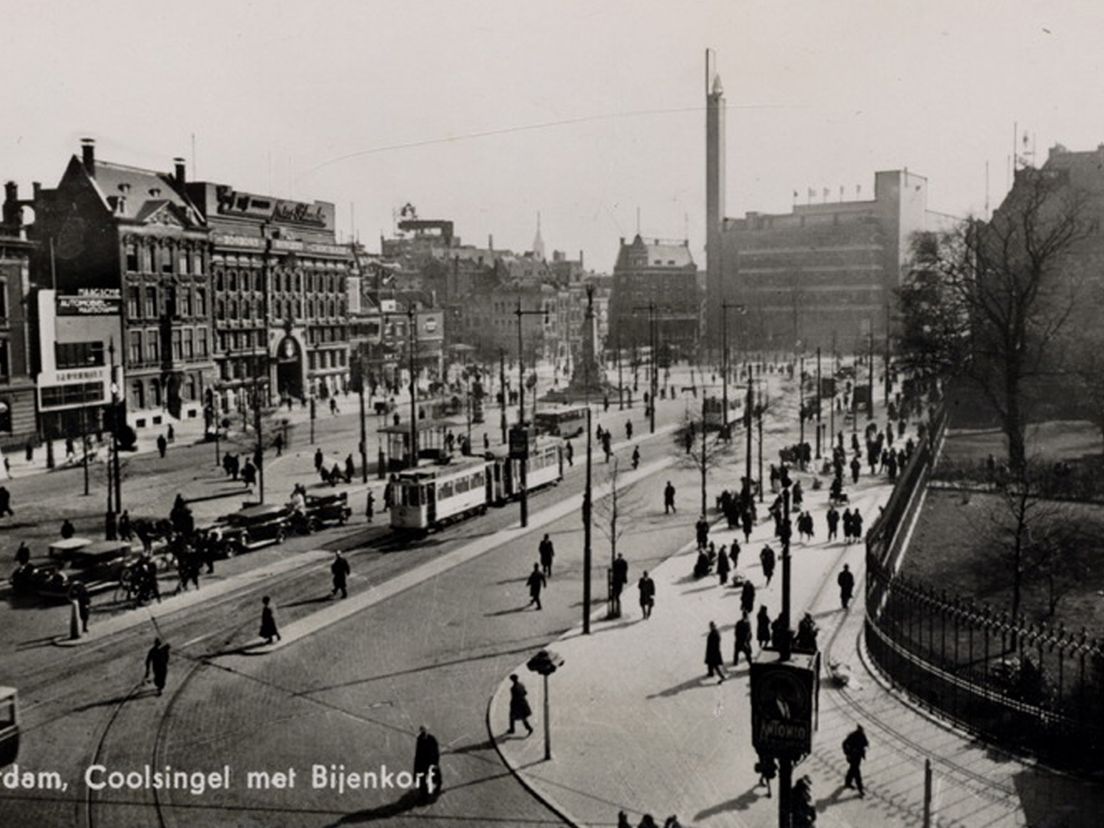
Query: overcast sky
{"type": "Point", "coordinates": [486, 112]}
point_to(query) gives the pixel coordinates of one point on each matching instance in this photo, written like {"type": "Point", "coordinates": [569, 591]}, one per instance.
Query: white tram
{"type": "Point", "coordinates": [430, 496]}
{"type": "Point", "coordinates": [544, 468]}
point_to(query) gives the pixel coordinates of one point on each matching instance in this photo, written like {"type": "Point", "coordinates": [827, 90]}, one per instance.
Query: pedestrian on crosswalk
{"type": "Point", "coordinates": [536, 582]}
{"type": "Point", "coordinates": [269, 629]}
{"type": "Point", "coordinates": [647, 589]}
{"type": "Point", "coordinates": [340, 570]}
{"type": "Point", "coordinates": [854, 750]}
{"type": "Point", "coordinates": [713, 659]}
{"type": "Point", "coordinates": [763, 626]}
{"type": "Point", "coordinates": [519, 704]}
{"type": "Point", "coordinates": [743, 640]}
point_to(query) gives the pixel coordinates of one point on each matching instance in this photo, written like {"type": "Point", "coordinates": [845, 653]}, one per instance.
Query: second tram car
{"type": "Point", "coordinates": [544, 468]}
{"type": "Point", "coordinates": [430, 496]}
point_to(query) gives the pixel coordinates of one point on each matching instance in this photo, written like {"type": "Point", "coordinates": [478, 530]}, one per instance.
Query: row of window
{"type": "Point", "coordinates": [163, 260]}
{"type": "Point", "coordinates": [185, 343]}
{"type": "Point", "coordinates": [279, 308]}
{"type": "Point", "coordinates": [284, 280]}
{"type": "Point", "coordinates": [78, 355]}
{"type": "Point", "coordinates": [180, 301]}
{"type": "Point", "coordinates": [249, 366]}
{"type": "Point", "coordinates": [148, 392]}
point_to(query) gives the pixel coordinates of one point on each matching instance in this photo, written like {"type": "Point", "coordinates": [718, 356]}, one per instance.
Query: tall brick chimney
{"type": "Point", "coordinates": [88, 155]}
{"type": "Point", "coordinates": [180, 173]}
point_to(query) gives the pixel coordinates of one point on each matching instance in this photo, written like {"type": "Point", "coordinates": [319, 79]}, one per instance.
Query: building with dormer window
{"type": "Point", "coordinates": [135, 233]}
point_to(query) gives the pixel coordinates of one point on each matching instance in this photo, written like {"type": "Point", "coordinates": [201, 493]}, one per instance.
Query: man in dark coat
{"type": "Point", "coordinates": [854, 750]}
{"type": "Point", "coordinates": [157, 660]}
{"type": "Point", "coordinates": [833, 522]}
{"type": "Point", "coordinates": [668, 498]}
{"type": "Point", "coordinates": [5, 502]}
{"type": "Point", "coordinates": [162, 444]}
{"type": "Point", "coordinates": [319, 460]}
{"type": "Point", "coordinates": [519, 704]}
{"type": "Point", "coordinates": [536, 583]}
{"type": "Point", "coordinates": [427, 765]}
{"type": "Point", "coordinates": [713, 660]}
{"type": "Point", "coordinates": [743, 640]}
{"type": "Point", "coordinates": [547, 553]}
{"type": "Point", "coordinates": [620, 578]}
{"type": "Point", "coordinates": [846, 583]}
{"type": "Point", "coordinates": [249, 473]}
{"type": "Point", "coordinates": [848, 526]}
{"type": "Point", "coordinates": [340, 571]}
{"type": "Point", "coordinates": [766, 559]}
{"type": "Point", "coordinates": [701, 532]}
{"type": "Point", "coordinates": [856, 525]}
{"type": "Point", "coordinates": [646, 587]}
{"type": "Point", "coordinates": [856, 467]}
{"type": "Point", "coordinates": [747, 597]}
{"type": "Point", "coordinates": [746, 523]}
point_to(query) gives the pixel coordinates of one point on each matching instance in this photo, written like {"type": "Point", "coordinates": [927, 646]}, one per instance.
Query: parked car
{"type": "Point", "coordinates": [252, 527]}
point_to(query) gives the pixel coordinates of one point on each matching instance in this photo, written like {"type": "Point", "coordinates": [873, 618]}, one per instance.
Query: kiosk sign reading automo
{"type": "Point", "coordinates": [783, 701]}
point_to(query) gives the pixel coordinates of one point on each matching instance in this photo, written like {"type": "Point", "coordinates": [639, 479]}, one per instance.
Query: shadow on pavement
{"type": "Point", "coordinates": [510, 611]}
{"type": "Point", "coordinates": [697, 681]}
{"type": "Point", "coordinates": [831, 799]}
{"type": "Point", "coordinates": [320, 600]}
{"type": "Point", "coordinates": [406, 802]}
{"type": "Point", "coordinates": [740, 803]}
{"type": "Point", "coordinates": [433, 666]}
{"type": "Point", "coordinates": [145, 691]}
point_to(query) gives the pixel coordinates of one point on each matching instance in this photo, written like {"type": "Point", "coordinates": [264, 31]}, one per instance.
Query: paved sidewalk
{"type": "Point", "coordinates": [637, 726]}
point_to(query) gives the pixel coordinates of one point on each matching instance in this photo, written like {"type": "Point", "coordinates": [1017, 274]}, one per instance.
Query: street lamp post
{"type": "Point", "coordinates": [748, 406]}
{"type": "Point", "coordinates": [502, 390]}
{"type": "Point", "coordinates": [523, 461]}
{"type": "Point", "coordinates": [363, 425]}
{"type": "Point", "coordinates": [588, 492]}
{"type": "Point", "coordinates": [725, 306]}
{"type": "Point", "coordinates": [412, 337]}
{"type": "Point", "coordinates": [818, 425]}
{"type": "Point", "coordinates": [260, 361]}
{"type": "Point", "coordinates": [115, 508]}
{"type": "Point", "coordinates": [620, 379]}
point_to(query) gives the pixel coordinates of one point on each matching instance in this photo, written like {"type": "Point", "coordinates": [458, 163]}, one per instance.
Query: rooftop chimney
{"type": "Point", "coordinates": [88, 155]}
{"type": "Point", "coordinates": [180, 173]}
{"type": "Point", "coordinates": [11, 211]}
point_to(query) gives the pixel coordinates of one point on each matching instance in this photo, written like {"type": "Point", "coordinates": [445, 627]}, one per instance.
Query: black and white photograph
{"type": "Point", "coordinates": [587, 413]}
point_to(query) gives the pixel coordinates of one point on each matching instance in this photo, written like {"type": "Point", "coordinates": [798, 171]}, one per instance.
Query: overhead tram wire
{"type": "Point", "coordinates": [490, 133]}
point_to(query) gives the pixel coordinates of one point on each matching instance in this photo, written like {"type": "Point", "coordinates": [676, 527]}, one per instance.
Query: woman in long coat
{"type": "Point", "coordinates": [519, 705]}
{"type": "Point", "coordinates": [747, 597]}
{"type": "Point", "coordinates": [763, 626]}
{"type": "Point", "coordinates": [269, 630]}
{"type": "Point", "coordinates": [713, 658]}
{"type": "Point", "coordinates": [722, 566]}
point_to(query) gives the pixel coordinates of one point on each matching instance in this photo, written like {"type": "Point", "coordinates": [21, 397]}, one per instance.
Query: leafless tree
{"type": "Point", "coordinates": [608, 511]}
{"type": "Point", "coordinates": [701, 449]}
{"type": "Point", "coordinates": [997, 294]}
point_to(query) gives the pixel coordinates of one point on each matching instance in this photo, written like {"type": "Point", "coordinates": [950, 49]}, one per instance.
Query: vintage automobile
{"type": "Point", "coordinates": [326, 509]}
{"type": "Point", "coordinates": [252, 527]}
{"type": "Point", "coordinates": [98, 566]}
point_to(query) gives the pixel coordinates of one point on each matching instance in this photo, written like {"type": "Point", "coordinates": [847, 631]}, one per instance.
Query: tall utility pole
{"type": "Point", "coordinates": [117, 507]}
{"type": "Point", "coordinates": [704, 457]}
{"type": "Point", "coordinates": [759, 417]}
{"type": "Point", "coordinates": [412, 338]}
{"type": "Point", "coordinates": [363, 425]}
{"type": "Point", "coordinates": [747, 427]}
{"type": "Point", "coordinates": [887, 382]}
{"type": "Point", "coordinates": [502, 390]}
{"type": "Point", "coordinates": [801, 411]}
{"type": "Point", "coordinates": [523, 463]}
{"type": "Point", "coordinates": [258, 362]}
{"type": "Point", "coordinates": [653, 383]}
{"type": "Point", "coordinates": [818, 425]}
{"type": "Point", "coordinates": [620, 379]}
{"type": "Point", "coordinates": [725, 306]}
{"type": "Point", "coordinates": [588, 492]}
{"type": "Point", "coordinates": [785, 646]}
{"type": "Point", "coordinates": [870, 408]}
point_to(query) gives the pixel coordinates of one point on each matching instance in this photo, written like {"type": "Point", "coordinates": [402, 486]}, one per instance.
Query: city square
{"type": "Point", "coordinates": [519, 424]}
